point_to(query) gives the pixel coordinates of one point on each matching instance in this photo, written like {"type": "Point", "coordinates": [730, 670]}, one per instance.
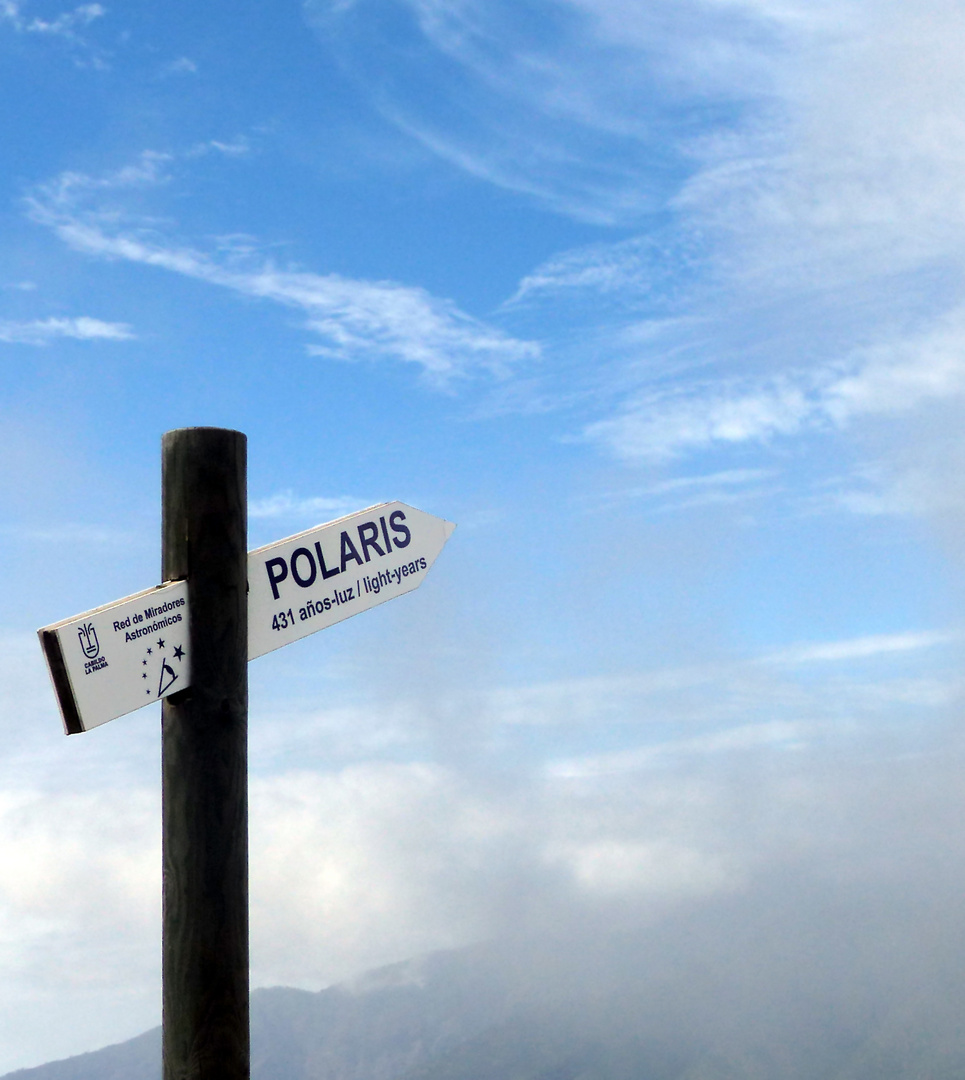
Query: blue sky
{"type": "Point", "coordinates": [662, 303]}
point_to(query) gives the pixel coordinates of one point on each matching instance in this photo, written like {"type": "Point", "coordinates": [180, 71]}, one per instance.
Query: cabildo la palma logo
{"type": "Point", "coordinates": [87, 635]}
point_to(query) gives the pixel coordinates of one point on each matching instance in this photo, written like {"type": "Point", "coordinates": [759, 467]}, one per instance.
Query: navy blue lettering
{"type": "Point", "coordinates": [400, 530]}
{"type": "Point", "coordinates": [348, 551]}
{"type": "Point", "coordinates": [368, 538]}
{"type": "Point", "coordinates": [303, 553]}
{"type": "Point", "coordinates": [326, 573]}
{"type": "Point", "coordinates": [276, 580]}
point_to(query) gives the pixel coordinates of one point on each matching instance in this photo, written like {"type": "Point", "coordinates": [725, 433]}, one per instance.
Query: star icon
{"type": "Point", "coordinates": [178, 653]}
{"type": "Point", "coordinates": [149, 651]}
{"type": "Point", "coordinates": [144, 663]}
{"type": "Point", "coordinates": [144, 675]}
{"type": "Point", "coordinates": [160, 643]}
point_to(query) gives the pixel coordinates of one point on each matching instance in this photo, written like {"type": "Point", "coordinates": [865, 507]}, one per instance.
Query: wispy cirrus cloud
{"type": "Point", "coordinates": [95, 536]}
{"type": "Point", "coordinates": [69, 28]}
{"type": "Point", "coordinates": [542, 99]}
{"type": "Point", "coordinates": [889, 379]}
{"type": "Point", "coordinates": [792, 171]}
{"type": "Point", "coordinates": [861, 648]}
{"type": "Point", "coordinates": [775, 735]}
{"type": "Point", "coordinates": [666, 424]}
{"type": "Point", "coordinates": [723, 694]}
{"type": "Point", "coordinates": [64, 25]}
{"type": "Point", "coordinates": [44, 331]}
{"type": "Point", "coordinates": [183, 65]}
{"type": "Point", "coordinates": [655, 268]}
{"type": "Point", "coordinates": [285, 504]}
{"type": "Point", "coordinates": [690, 491]}
{"type": "Point", "coordinates": [354, 319]}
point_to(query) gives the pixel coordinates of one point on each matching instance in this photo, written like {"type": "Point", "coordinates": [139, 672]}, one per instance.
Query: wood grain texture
{"type": "Point", "coordinates": [204, 763]}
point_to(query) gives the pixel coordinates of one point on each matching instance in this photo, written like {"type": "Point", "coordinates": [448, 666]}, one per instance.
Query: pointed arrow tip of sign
{"type": "Point", "coordinates": [450, 528]}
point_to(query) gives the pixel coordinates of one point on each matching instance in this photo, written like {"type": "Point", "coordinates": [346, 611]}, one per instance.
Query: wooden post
{"type": "Point", "coordinates": [204, 762]}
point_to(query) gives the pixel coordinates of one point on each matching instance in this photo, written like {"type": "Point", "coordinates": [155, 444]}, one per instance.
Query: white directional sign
{"type": "Point", "coordinates": [319, 577]}
{"type": "Point", "coordinates": [119, 657]}
{"type": "Point", "coordinates": [116, 658]}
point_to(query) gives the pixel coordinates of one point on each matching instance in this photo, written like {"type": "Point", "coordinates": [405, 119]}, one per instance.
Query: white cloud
{"type": "Point", "coordinates": [79, 894]}
{"type": "Point", "coordinates": [349, 870]}
{"type": "Point", "coordinates": [378, 863]}
{"type": "Point", "coordinates": [363, 853]}
{"type": "Point", "coordinates": [726, 478]}
{"type": "Point", "coordinates": [85, 535]}
{"type": "Point", "coordinates": [355, 319]}
{"type": "Point", "coordinates": [861, 648]}
{"type": "Point", "coordinates": [386, 858]}
{"type": "Point", "coordinates": [577, 118]}
{"type": "Point", "coordinates": [183, 65]}
{"type": "Point", "coordinates": [64, 25]}
{"type": "Point", "coordinates": [629, 267]}
{"type": "Point", "coordinates": [727, 486]}
{"type": "Point", "coordinates": [895, 377]}
{"type": "Point", "coordinates": [70, 189]}
{"type": "Point", "coordinates": [776, 735]}
{"type": "Point", "coordinates": [620, 867]}
{"type": "Point", "coordinates": [236, 148]}
{"type": "Point", "coordinates": [867, 683]}
{"type": "Point", "coordinates": [665, 425]}
{"type": "Point", "coordinates": [285, 504]}
{"type": "Point", "coordinates": [43, 331]}
{"type": "Point", "coordinates": [896, 489]}
{"type": "Point", "coordinates": [870, 146]}
{"type": "Point", "coordinates": [809, 279]}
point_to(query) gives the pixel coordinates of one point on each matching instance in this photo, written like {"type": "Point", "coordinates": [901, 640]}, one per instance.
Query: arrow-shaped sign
{"type": "Point", "coordinates": [118, 657]}
{"type": "Point", "coordinates": [313, 579]}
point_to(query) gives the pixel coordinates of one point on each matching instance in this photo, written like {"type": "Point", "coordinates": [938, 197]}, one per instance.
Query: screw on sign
{"type": "Point", "coordinates": [187, 642]}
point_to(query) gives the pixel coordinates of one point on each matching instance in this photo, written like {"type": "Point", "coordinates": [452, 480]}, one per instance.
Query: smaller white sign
{"type": "Point", "coordinates": [118, 657]}
{"type": "Point", "coordinates": [306, 582]}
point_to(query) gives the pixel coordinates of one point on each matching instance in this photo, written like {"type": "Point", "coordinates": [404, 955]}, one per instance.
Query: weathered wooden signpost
{"type": "Point", "coordinates": [187, 642]}
{"type": "Point", "coordinates": [204, 761]}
